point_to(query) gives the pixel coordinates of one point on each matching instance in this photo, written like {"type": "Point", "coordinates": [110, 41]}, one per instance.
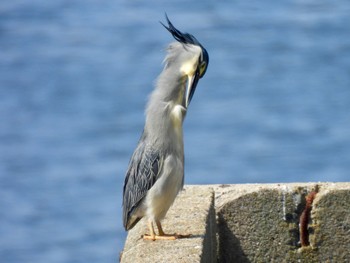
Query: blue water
{"type": "Point", "coordinates": [274, 106]}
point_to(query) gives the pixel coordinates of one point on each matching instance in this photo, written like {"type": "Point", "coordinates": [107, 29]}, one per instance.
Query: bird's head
{"type": "Point", "coordinates": [191, 59]}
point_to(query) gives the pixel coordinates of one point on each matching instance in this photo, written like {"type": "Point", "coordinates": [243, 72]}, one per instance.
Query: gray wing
{"type": "Point", "coordinates": [142, 173]}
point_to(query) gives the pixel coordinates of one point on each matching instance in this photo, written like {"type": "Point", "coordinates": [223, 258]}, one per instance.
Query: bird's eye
{"type": "Point", "coordinates": [202, 68]}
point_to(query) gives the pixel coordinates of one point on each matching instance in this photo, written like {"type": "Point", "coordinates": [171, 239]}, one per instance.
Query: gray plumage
{"type": "Point", "coordinates": [156, 170]}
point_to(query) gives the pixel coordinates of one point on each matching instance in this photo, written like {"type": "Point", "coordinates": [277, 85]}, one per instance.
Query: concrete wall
{"type": "Point", "coordinates": [307, 222]}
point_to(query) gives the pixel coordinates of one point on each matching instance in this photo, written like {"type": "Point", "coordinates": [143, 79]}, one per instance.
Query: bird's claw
{"type": "Point", "coordinates": [165, 237]}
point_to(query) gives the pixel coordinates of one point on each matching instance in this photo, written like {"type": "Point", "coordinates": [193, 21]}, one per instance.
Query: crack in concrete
{"type": "Point", "coordinates": [304, 218]}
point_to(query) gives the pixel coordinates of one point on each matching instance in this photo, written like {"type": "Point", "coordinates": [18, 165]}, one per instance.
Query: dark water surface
{"type": "Point", "coordinates": [274, 106]}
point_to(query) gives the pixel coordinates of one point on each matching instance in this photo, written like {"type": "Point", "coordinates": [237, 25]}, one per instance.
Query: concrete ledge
{"type": "Point", "coordinates": [300, 222]}
{"type": "Point", "coordinates": [192, 213]}
{"type": "Point", "coordinates": [262, 223]}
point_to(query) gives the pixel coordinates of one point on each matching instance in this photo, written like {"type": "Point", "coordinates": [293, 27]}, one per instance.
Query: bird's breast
{"type": "Point", "coordinates": [177, 116]}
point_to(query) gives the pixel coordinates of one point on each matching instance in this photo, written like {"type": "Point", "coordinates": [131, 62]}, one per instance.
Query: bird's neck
{"type": "Point", "coordinates": [165, 113]}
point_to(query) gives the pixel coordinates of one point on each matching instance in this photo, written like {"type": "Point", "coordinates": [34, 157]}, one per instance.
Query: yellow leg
{"type": "Point", "coordinates": [152, 235]}
{"type": "Point", "coordinates": [162, 235]}
{"type": "Point", "coordinates": [160, 229]}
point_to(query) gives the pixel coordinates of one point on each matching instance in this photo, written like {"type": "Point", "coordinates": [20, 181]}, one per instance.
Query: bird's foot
{"type": "Point", "coordinates": [165, 237]}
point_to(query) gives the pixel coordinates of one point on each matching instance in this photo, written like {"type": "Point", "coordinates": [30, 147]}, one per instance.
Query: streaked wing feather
{"type": "Point", "coordinates": [143, 171]}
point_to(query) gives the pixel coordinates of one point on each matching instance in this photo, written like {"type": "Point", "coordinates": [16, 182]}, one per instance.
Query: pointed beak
{"type": "Point", "coordinates": [191, 87]}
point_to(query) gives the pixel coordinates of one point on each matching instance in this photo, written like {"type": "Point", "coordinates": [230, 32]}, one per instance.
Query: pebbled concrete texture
{"type": "Point", "coordinates": [193, 213]}
{"type": "Point", "coordinates": [251, 223]}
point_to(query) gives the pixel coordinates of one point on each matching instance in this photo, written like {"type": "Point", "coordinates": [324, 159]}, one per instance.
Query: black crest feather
{"type": "Point", "coordinates": [178, 35]}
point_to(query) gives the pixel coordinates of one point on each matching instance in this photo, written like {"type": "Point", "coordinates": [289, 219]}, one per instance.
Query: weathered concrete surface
{"type": "Point", "coordinates": [260, 223]}
{"type": "Point", "coordinates": [331, 219]}
{"type": "Point", "coordinates": [192, 213]}
{"type": "Point", "coordinates": [254, 223]}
